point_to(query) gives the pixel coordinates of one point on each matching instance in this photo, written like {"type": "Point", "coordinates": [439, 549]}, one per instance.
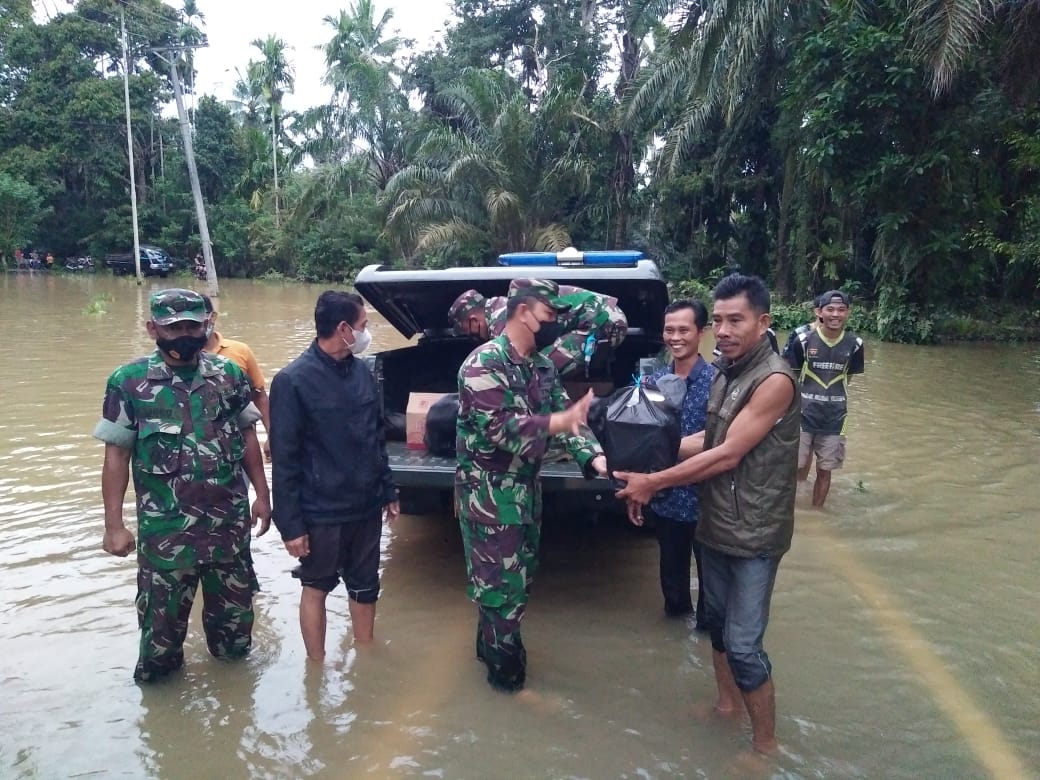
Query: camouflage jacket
{"type": "Point", "coordinates": [185, 431]}
{"type": "Point", "coordinates": [591, 314]}
{"type": "Point", "coordinates": [505, 401]}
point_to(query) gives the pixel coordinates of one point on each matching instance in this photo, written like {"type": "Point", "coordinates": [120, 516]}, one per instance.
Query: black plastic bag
{"type": "Point", "coordinates": [638, 433]}
{"type": "Point", "coordinates": [441, 421]}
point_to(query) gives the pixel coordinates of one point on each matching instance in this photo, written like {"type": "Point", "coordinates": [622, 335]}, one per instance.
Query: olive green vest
{"type": "Point", "coordinates": [749, 511]}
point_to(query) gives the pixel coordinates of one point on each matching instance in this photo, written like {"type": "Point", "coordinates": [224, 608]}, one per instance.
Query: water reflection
{"type": "Point", "coordinates": [903, 633]}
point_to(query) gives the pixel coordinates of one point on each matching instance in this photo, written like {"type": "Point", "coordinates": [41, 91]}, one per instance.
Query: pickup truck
{"type": "Point", "coordinates": [416, 302]}
{"type": "Point", "coordinates": [154, 262]}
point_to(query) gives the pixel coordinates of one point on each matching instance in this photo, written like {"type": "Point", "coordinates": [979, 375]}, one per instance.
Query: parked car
{"type": "Point", "coordinates": [417, 303]}
{"type": "Point", "coordinates": [154, 262]}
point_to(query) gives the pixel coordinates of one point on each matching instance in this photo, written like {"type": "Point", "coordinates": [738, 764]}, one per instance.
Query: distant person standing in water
{"type": "Point", "coordinates": [825, 358]}
{"type": "Point", "coordinates": [243, 356]}
{"type": "Point", "coordinates": [181, 421]}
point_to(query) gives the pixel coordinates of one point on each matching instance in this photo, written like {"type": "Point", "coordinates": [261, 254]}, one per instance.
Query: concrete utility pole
{"type": "Point", "coordinates": [130, 145]}
{"type": "Point", "coordinates": [193, 175]}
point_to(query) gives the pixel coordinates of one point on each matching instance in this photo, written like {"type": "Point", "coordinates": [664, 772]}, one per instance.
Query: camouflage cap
{"type": "Point", "coordinates": [467, 303]}
{"type": "Point", "coordinates": [176, 304]}
{"type": "Point", "coordinates": [545, 290]}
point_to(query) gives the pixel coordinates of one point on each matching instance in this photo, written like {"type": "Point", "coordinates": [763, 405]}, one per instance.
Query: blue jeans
{"type": "Point", "coordinates": [737, 592]}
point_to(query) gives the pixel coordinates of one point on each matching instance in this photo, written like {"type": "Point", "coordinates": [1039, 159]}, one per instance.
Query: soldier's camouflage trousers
{"type": "Point", "coordinates": [501, 561]}
{"type": "Point", "coordinates": [164, 599]}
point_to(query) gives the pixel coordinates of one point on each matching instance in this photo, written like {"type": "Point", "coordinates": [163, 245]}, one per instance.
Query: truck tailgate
{"type": "Point", "coordinates": [418, 468]}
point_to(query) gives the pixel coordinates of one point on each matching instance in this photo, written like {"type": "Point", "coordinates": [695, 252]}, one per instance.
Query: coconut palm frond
{"type": "Point", "coordinates": [446, 234]}
{"type": "Point", "coordinates": [944, 32]}
{"type": "Point", "coordinates": [470, 168]}
{"type": "Point", "coordinates": [712, 42]}
{"type": "Point", "coordinates": [759, 26]}
{"type": "Point", "coordinates": [414, 177]}
{"type": "Point", "coordinates": [659, 88]}
{"type": "Point", "coordinates": [501, 204]}
{"type": "Point", "coordinates": [325, 185]}
{"type": "Point", "coordinates": [550, 238]}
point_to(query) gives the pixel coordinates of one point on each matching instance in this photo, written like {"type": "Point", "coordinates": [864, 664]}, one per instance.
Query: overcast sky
{"type": "Point", "coordinates": [232, 24]}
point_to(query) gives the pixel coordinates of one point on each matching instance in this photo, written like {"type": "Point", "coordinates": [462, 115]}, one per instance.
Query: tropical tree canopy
{"type": "Point", "coordinates": [888, 148]}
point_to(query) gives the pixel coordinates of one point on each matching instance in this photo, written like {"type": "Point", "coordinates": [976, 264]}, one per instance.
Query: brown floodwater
{"type": "Point", "coordinates": [904, 629]}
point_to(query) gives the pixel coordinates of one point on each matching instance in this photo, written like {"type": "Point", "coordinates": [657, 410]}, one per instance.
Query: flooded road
{"type": "Point", "coordinates": [904, 629]}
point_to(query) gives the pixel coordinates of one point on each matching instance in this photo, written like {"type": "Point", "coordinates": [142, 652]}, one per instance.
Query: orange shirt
{"type": "Point", "coordinates": [240, 352]}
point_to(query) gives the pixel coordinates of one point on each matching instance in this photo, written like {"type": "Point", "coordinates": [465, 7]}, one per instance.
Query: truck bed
{"type": "Point", "coordinates": [420, 469]}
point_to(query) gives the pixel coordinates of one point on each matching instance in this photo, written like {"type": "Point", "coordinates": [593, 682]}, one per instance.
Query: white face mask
{"type": "Point", "coordinates": [362, 341]}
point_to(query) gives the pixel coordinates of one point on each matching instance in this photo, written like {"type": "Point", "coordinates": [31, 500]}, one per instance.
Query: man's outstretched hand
{"type": "Point", "coordinates": [637, 492]}
{"type": "Point", "coordinates": [572, 420]}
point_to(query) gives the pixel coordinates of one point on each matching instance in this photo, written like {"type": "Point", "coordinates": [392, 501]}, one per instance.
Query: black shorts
{"type": "Point", "coordinates": [347, 551]}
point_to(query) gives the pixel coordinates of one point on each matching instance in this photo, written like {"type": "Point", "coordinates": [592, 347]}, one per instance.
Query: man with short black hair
{"type": "Point", "coordinates": [747, 467]}
{"type": "Point", "coordinates": [674, 512]}
{"type": "Point", "coordinates": [825, 358]}
{"type": "Point", "coordinates": [332, 479]}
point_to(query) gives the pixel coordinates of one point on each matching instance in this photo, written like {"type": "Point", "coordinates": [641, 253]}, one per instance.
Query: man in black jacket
{"type": "Point", "coordinates": [331, 478]}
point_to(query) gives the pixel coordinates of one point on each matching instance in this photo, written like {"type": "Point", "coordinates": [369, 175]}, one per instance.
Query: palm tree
{"type": "Point", "coordinates": [369, 111]}
{"type": "Point", "coordinates": [946, 32]}
{"type": "Point", "coordinates": [710, 67]}
{"type": "Point", "coordinates": [190, 34]}
{"type": "Point", "coordinates": [247, 101]}
{"type": "Point", "coordinates": [715, 82]}
{"type": "Point", "coordinates": [497, 170]}
{"type": "Point", "coordinates": [276, 76]}
{"type": "Point", "coordinates": [636, 21]}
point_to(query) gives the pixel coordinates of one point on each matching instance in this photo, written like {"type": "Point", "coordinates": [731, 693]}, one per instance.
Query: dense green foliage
{"type": "Point", "coordinates": [888, 148]}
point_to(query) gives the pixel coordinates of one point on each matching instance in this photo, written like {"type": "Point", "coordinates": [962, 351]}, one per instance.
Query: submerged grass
{"type": "Point", "coordinates": [98, 304]}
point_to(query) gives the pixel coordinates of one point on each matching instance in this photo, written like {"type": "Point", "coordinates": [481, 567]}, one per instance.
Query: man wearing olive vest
{"type": "Point", "coordinates": [746, 466]}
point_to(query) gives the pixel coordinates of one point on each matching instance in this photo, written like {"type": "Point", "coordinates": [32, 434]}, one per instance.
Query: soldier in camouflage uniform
{"type": "Point", "coordinates": [181, 421]}
{"type": "Point", "coordinates": [511, 407]}
{"type": "Point", "coordinates": [589, 319]}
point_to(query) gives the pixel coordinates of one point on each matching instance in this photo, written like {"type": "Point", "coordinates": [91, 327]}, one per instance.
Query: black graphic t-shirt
{"type": "Point", "coordinates": [824, 368]}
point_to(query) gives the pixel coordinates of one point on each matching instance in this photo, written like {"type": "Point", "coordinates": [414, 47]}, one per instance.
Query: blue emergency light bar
{"type": "Point", "coordinates": [572, 257]}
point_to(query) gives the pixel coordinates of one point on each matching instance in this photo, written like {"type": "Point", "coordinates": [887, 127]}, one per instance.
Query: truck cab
{"type": "Point", "coordinates": [154, 262]}
{"type": "Point", "coordinates": [416, 303]}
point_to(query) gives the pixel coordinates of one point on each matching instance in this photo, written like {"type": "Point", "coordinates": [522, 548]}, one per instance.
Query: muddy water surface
{"type": "Point", "coordinates": [904, 634]}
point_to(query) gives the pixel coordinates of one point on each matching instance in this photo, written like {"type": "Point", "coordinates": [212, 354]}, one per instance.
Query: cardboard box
{"type": "Point", "coordinates": [415, 418]}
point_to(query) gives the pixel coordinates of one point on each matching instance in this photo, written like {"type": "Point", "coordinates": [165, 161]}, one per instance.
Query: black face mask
{"type": "Point", "coordinates": [182, 347]}
{"type": "Point", "coordinates": [547, 333]}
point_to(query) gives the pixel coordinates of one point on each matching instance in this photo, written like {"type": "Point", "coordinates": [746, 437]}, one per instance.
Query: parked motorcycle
{"type": "Point", "coordinates": [80, 264]}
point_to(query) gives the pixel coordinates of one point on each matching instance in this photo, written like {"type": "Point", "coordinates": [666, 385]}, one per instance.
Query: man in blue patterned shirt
{"type": "Point", "coordinates": [674, 511]}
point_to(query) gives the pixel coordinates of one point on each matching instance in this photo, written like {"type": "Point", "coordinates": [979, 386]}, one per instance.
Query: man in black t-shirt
{"type": "Point", "coordinates": [825, 358]}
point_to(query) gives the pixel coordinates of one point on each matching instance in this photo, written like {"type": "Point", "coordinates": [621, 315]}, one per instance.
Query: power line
{"type": "Point", "coordinates": [114, 26]}
{"type": "Point", "coordinates": [153, 14]}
